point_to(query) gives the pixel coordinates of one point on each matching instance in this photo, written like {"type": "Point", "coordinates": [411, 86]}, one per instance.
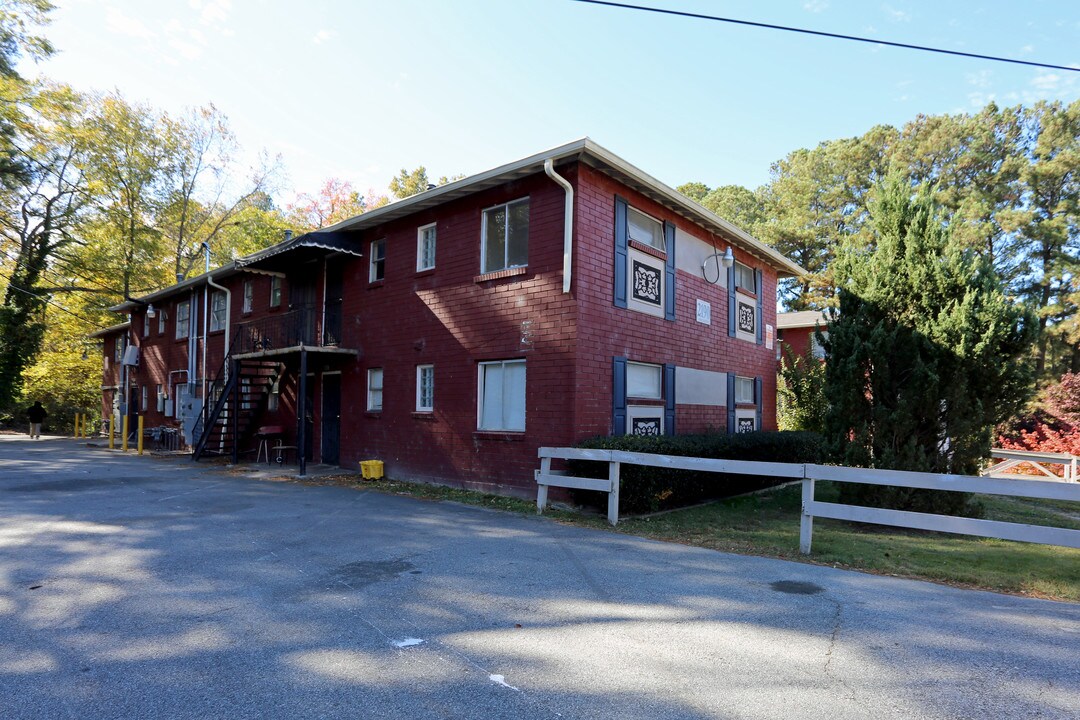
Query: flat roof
{"type": "Point", "coordinates": [801, 319]}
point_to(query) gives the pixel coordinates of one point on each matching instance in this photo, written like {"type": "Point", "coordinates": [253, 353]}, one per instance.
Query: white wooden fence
{"type": "Point", "coordinates": [1011, 459]}
{"type": "Point", "coordinates": [811, 508]}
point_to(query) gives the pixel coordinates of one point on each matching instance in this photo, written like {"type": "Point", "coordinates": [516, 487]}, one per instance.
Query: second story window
{"type": "Point", "coordinates": [275, 291]}
{"type": "Point", "coordinates": [161, 322]}
{"type": "Point", "coordinates": [745, 279]}
{"type": "Point", "coordinates": [118, 349]}
{"type": "Point", "coordinates": [249, 296]}
{"type": "Point", "coordinates": [217, 311]}
{"type": "Point", "coordinates": [183, 319]}
{"type": "Point", "coordinates": [644, 229]}
{"type": "Point", "coordinates": [377, 264]}
{"type": "Point", "coordinates": [425, 248]}
{"type": "Point", "coordinates": [505, 237]}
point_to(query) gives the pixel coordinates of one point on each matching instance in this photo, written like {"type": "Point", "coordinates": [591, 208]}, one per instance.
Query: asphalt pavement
{"type": "Point", "coordinates": [154, 587]}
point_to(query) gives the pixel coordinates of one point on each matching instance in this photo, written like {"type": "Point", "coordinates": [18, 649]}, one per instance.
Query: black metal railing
{"type": "Point", "coordinates": [296, 327]}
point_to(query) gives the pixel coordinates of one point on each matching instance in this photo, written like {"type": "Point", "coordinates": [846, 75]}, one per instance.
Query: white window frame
{"type": "Point", "coordinates": [249, 296]}
{"type": "Point", "coordinates": [426, 237]}
{"type": "Point", "coordinates": [377, 263]}
{"type": "Point", "coordinates": [217, 311]}
{"type": "Point", "coordinates": [161, 321]}
{"type": "Point", "coordinates": [480, 391]}
{"type": "Point", "coordinates": [753, 289]}
{"type": "Point", "coordinates": [143, 393]}
{"type": "Point", "coordinates": [741, 383]}
{"type": "Point", "coordinates": [375, 394]}
{"type": "Point", "coordinates": [425, 404]}
{"type": "Point", "coordinates": [506, 245]}
{"type": "Point", "coordinates": [651, 368]}
{"type": "Point", "coordinates": [658, 242]}
{"type": "Point", "coordinates": [183, 319]}
{"type": "Point", "coordinates": [275, 291]}
{"type": "Point", "coordinates": [145, 326]}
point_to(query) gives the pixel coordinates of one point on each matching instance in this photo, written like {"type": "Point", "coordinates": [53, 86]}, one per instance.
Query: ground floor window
{"type": "Point", "coordinates": [501, 395]}
{"type": "Point", "coordinates": [375, 387]}
{"type": "Point", "coordinates": [425, 388]}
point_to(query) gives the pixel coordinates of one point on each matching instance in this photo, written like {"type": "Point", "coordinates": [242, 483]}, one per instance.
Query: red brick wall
{"type": "Point", "coordinates": [606, 331]}
{"type": "Point", "coordinates": [798, 339]}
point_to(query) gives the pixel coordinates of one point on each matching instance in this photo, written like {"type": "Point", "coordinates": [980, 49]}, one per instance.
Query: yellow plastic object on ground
{"type": "Point", "coordinates": [371, 469]}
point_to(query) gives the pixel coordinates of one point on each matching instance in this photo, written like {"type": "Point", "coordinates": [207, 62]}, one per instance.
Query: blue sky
{"type": "Point", "coordinates": [359, 89]}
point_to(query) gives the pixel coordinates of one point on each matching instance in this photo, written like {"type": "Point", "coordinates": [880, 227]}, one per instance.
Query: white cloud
{"type": "Point", "coordinates": [322, 36]}
{"type": "Point", "coordinates": [979, 79]}
{"type": "Point", "coordinates": [815, 6]}
{"type": "Point", "coordinates": [896, 15]}
{"type": "Point", "coordinates": [212, 12]}
{"type": "Point", "coordinates": [1027, 49]}
{"type": "Point", "coordinates": [1047, 82]}
{"type": "Point", "coordinates": [118, 23]}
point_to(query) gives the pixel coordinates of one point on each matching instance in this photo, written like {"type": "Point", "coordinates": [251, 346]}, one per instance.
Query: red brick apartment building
{"type": "Point", "coordinates": [798, 331]}
{"type": "Point", "coordinates": [451, 334]}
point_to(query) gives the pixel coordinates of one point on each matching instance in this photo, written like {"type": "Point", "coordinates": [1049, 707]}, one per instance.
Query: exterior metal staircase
{"type": "Point", "coordinates": [235, 400]}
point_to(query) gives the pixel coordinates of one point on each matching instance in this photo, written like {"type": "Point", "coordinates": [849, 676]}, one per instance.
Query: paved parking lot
{"type": "Point", "coordinates": [147, 587]}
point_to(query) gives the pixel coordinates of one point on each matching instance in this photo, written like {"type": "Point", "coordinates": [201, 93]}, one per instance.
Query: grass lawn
{"type": "Point", "coordinates": [768, 524]}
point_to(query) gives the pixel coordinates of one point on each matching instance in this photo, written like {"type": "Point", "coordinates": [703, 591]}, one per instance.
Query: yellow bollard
{"type": "Point", "coordinates": [124, 430]}
{"type": "Point", "coordinates": [76, 434]}
{"type": "Point", "coordinates": [112, 433]}
{"type": "Point", "coordinates": [139, 441]}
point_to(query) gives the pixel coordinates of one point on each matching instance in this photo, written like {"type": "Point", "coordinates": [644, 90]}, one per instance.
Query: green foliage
{"type": "Point", "coordinates": [925, 354]}
{"type": "Point", "coordinates": [407, 183]}
{"type": "Point", "coordinates": [801, 402]}
{"type": "Point", "coordinates": [647, 489]}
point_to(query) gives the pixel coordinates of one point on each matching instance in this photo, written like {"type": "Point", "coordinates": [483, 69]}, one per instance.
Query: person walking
{"type": "Point", "coordinates": [37, 415]}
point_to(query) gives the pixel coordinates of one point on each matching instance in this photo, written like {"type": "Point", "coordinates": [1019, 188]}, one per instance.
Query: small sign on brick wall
{"type": "Point", "coordinates": [770, 333]}
{"type": "Point", "coordinates": [704, 312]}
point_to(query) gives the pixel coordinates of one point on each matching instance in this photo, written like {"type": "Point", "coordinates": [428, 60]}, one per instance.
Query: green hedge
{"type": "Point", "coordinates": [648, 489]}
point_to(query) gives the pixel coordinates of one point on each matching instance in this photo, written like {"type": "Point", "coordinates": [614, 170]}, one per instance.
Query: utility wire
{"type": "Point", "coordinates": [46, 300]}
{"type": "Point", "coordinates": [819, 33]}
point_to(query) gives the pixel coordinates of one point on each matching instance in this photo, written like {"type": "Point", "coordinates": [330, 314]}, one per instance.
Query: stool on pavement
{"type": "Point", "coordinates": [265, 434]}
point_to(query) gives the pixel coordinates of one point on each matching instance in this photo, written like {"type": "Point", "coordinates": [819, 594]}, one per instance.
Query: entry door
{"type": "Point", "coordinates": [302, 305]}
{"type": "Point", "coordinates": [331, 418]}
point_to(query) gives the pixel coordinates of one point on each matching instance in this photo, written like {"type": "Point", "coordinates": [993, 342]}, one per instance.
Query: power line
{"type": "Point", "coordinates": [46, 300]}
{"type": "Point", "coordinates": [820, 33]}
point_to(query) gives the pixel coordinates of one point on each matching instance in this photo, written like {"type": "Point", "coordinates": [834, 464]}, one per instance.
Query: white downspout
{"type": "Point", "coordinates": [568, 223]}
{"type": "Point", "coordinates": [228, 312]}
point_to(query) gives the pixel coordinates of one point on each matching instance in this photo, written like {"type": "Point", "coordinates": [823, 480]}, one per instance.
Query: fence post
{"type": "Point", "coordinates": [139, 440]}
{"type": "Point", "coordinates": [613, 493]}
{"type": "Point", "coordinates": [542, 490]}
{"type": "Point", "coordinates": [124, 430]}
{"type": "Point", "coordinates": [806, 526]}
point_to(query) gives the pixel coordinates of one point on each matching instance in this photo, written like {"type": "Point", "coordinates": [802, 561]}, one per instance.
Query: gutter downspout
{"type": "Point", "coordinates": [228, 313]}
{"type": "Point", "coordinates": [568, 223]}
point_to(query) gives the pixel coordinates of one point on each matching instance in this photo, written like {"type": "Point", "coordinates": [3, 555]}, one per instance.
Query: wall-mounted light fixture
{"type": "Point", "coordinates": [150, 311]}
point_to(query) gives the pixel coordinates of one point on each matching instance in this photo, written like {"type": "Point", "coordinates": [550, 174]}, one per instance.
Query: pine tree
{"type": "Point", "coordinates": [925, 355]}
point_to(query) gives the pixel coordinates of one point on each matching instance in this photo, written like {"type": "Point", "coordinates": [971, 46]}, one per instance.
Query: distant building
{"type": "Point", "coordinates": [452, 333]}
{"type": "Point", "coordinates": [797, 331]}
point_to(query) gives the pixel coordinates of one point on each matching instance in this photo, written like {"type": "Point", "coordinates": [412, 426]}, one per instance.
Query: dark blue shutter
{"type": "Point", "coordinates": [621, 237]}
{"type": "Point", "coordinates": [669, 271]}
{"type": "Point", "coordinates": [731, 309]}
{"type": "Point", "coordinates": [731, 403]}
{"type": "Point", "coordinates": [760, 305]}
{"type": "Point", "coordinates": [758, 397]}
{"type": "Point", "coordinates": [669, 399]}
{"type": "Point", "coordinates": [618, 396]}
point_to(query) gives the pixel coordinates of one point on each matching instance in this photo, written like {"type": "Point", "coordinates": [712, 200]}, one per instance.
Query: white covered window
{"type": "Point", "coordinates": [425, 247]}
{"type": "Point", "coordinates": [501, 398]}
{"type": "Point", "coordinates": [143, 393]}
{"type": "Point", "coordinates": [374, 389]}
{"type": "Point", "coordinates": [425, 388]}
{"type": "Point", "coordinates": [744, 391]}
{"type": "Point", "coordinates": [249, 296]}
{"type": "Point", "coordinates": [217, 311]}
{"type": "Point", "coordinates": [644, 380]}
{"type": "Point", "coordinates": [505, 237]}
{"type": "Point", "coordinates": [644, 229]}
{"type": "Point", "coordinates": [183, 319]}
{"type": "Point", "coordinates": [161, 322]}
{"type": "Point", "coordinates": [745, 278]}
{"type": "Point", "coordinates": [377, 264]}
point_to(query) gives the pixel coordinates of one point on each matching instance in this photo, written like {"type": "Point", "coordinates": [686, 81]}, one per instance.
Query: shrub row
{"type": "Point", "coordinates": [648, 489]}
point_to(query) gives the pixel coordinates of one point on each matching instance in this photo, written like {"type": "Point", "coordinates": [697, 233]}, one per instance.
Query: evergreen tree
{"type": "Point", "coordinates": [925, 353]}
